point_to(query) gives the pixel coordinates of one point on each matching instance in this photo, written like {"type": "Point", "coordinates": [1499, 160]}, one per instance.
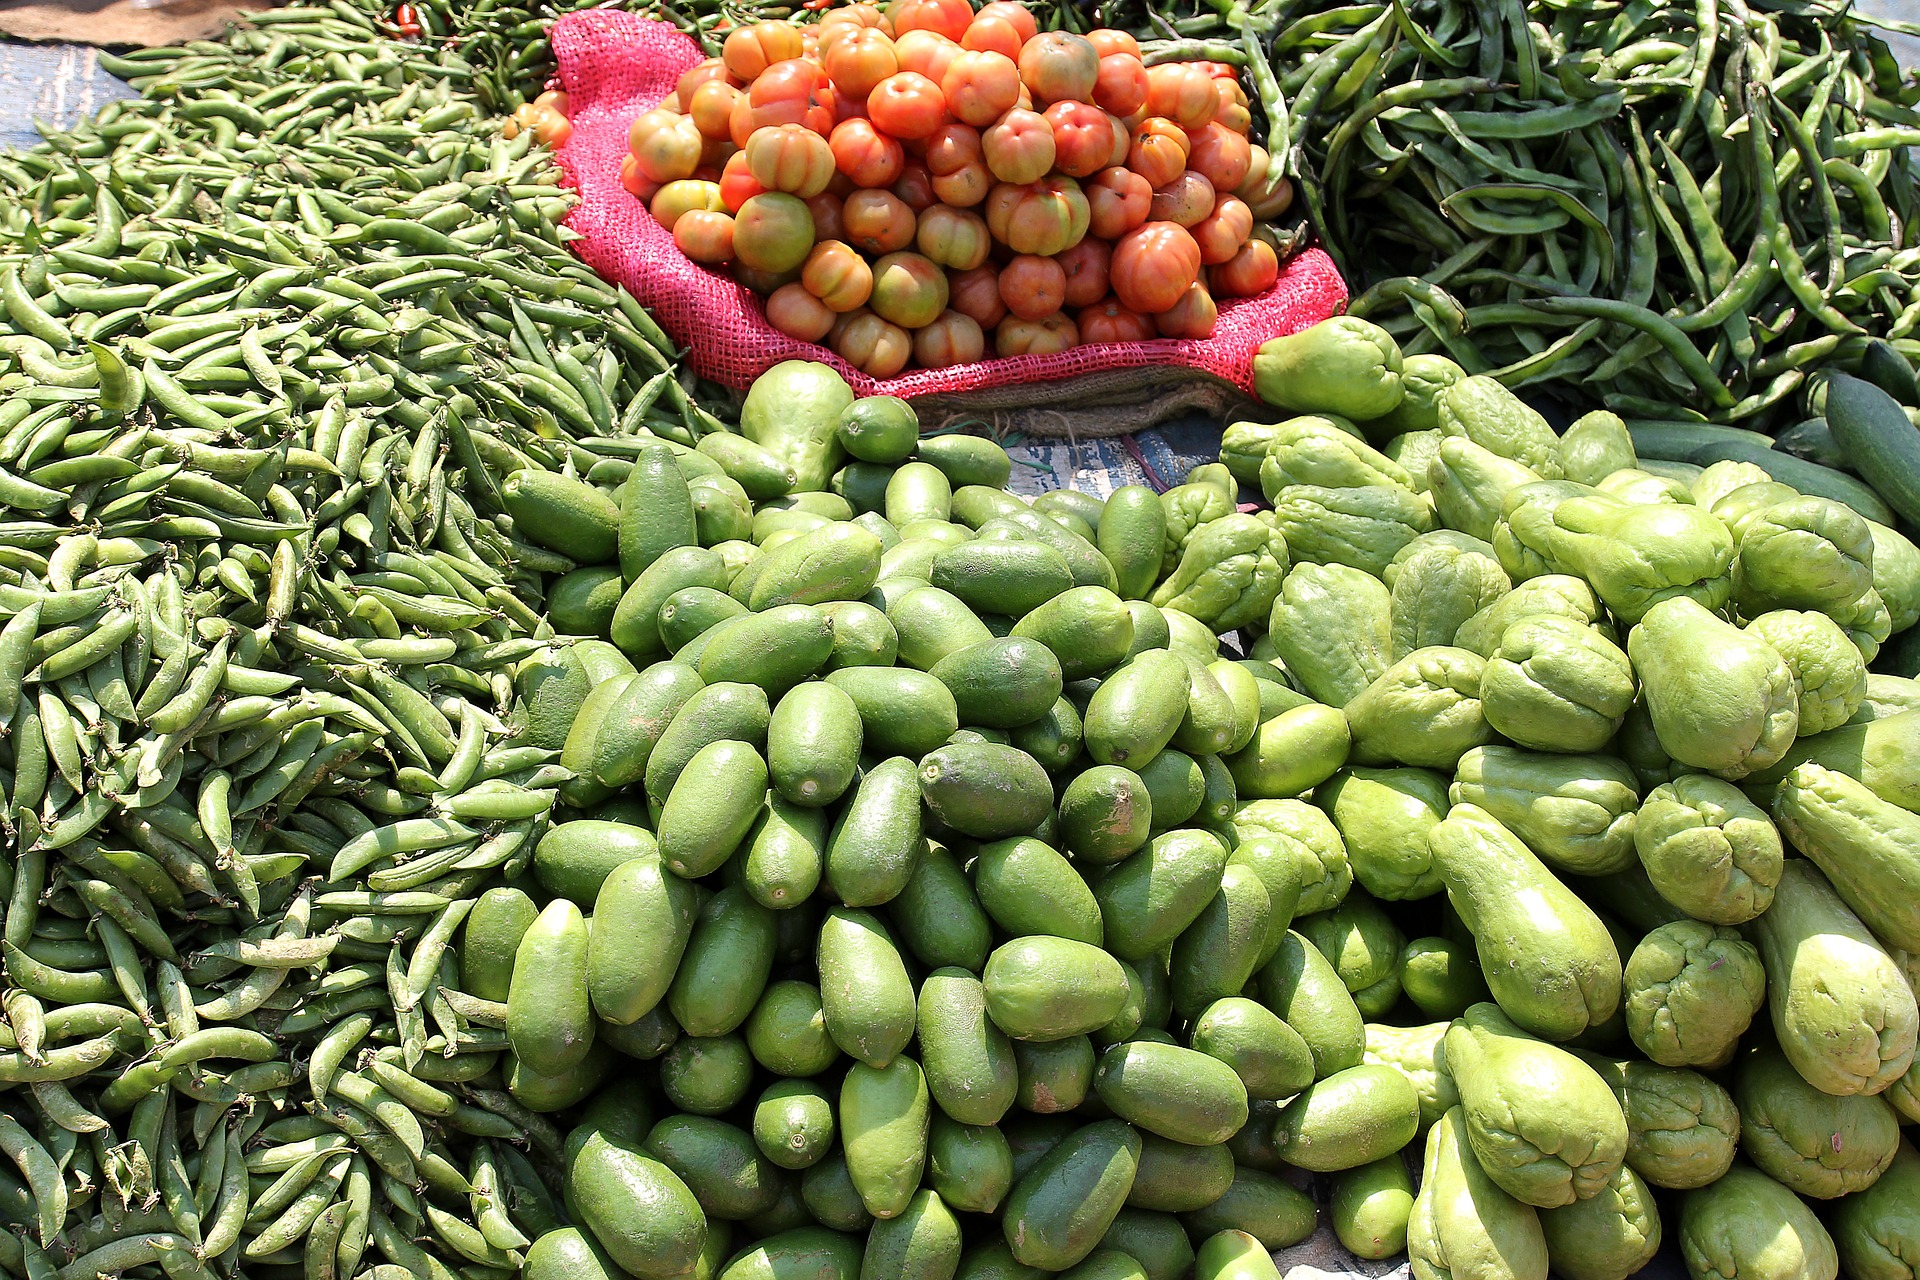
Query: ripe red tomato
{"type": "Point", "coordinates": [915, 186]}
{"type": "Point", "coordinates": [867, 156]}
{"type": "Point", "coordinates": [1221, 233]}
{"type": "Point", "coordinates": [1159, 151]}
{"type": "Point", "coordinates": [927, 53]}
{"type": "Point", "coordinates": [954, 238]}
{"type": "Point", "coordinates": [1033, 287]}
{"type": "Point", "coordinates": [1183, 93]}
{"type": "Point", "coordinates": [1045, 217]}
{"type": "Point", "coordinates": [946, 17]}
{"type": "Point", "coordinates": [665, 147]}
{"type": "Point", "coordinates": [752, 49]}
{"type": "Point", "coordinates": [704, 235]}
{"type": "Point", "coordinates": [1017, 16]}
{"type": "Point", "coordinates": [1019, 147]}
{"type": "Point", "coordinates": [1191, 317]}
{"type": "Point", "coordinates": [876, 222]}
{"type": "Point", "coordinates": [839, 22]}
{"type": "Point", "coordinates": [1050, 336]}
{"type": "Point", "coordinates": [1250, 272]}
{"type": "Point", "coordinates": [737, 183]}
{"type": "Point", "coordinates": [951, 339]}
{"type": "Point", "coordinates": [907, 105]}
{"type": "Point", "coordinates": [675, 199]}
{"type": "Point", "coordinates": [1059, 66]}
{"type": "Point", "coordinates": [1082, 138]}
{"type": "Point", "coordinates": [1118, 200]}
{"type": "Point", "coordinates": [1186, 200]}
{"type": "Point", "coordinates": [798, 314]}
{"type": "Point", "coordinates": [950, 147]}
{"type": "Point", "coordinates": [874, 346]}
{"type": "Point", "coordinates": [980, 87]}
{"type": "Point", "coordinates": [1107, 41]}
{"type": "Point", "coordinates": [1121, 86]}
{"type": "Point", "coordinates": [1108, 321]}
{"type": "Point", "coordinates": [1152, 266]}
{"type": "Point", "coordinates": [792, 80]}
{"type": "Point", "coordinates": [791, 159]}
{"type": "Point", "coordinates": [836, 274]}
{"type": "Point", "coordinates": [1222, 155]}
{"type": "Point", "coordinates": [773, 232]}
{"type": "Point", "coordinates": [1086, 266]}
{"type": "Point", "coordinates": [995, 35]}
{"type": "Point", "coordinates": [909, 289]}
{"type": "Point", "coordinates": [1266, 190]}
{"type": "Point", "coordinates": [634, 181]}
{"type": "Point", "coordinates": [976, 294]}
{"type": "Point", "coordinates": [859, 60]}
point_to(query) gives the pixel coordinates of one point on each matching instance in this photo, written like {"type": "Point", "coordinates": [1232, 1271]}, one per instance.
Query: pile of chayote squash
{"type": "Point", "coordinates": [1000, 887]}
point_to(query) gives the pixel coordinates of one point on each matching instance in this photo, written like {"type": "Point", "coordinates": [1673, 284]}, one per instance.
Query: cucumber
{"type": "Point", "coordinates": [1824, 482]}
{"type": "Point", "coordinates": [1675, 441]}
{"type": "Point", "coordinates": [1874, 431]}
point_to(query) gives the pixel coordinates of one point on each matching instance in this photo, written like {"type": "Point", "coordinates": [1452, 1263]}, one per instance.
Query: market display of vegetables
{"type": "Point", "coordinates": [480, 803]}
{"type": "Point", "coordinates": [902, 184]}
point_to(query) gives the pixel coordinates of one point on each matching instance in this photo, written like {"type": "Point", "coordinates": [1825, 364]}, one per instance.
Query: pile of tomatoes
{"type": "Point", "coordinates": [931, 185]}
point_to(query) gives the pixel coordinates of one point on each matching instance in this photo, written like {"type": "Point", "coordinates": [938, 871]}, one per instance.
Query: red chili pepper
{"type": "Point", "coordinates": [406, 20]}
{"type": "Point", "coordinates": [815, 6]}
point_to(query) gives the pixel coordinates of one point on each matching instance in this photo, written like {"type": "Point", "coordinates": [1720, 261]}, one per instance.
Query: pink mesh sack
{"type": "Point", "coordinates": [614, 65]}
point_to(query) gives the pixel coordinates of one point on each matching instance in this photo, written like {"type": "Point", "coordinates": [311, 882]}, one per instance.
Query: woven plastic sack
{"type": "Point", "coordinates": [614, 65]}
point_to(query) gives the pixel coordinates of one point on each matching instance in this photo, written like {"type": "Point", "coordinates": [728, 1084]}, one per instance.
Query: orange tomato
{"type": "Point", "coordinates": [837, 23]}
{"type": "Point", "coordinates": [1033, 287]}
{"type": "Point", "coordinates": [965, 187]}
{"type": "Point", "coordinates": [993, 35]}
{"type": "Point", "coordinates": [1059, 66]}
{"type": "Point", "coordinates": [1220, 154]}
{"type": "Point", "coordinates": [1082, 138]}
{"type": "Point", "coordinates": [665, 147]}
{"type": "Point", "coordinates": [907, 105]}
{"type": "Point", "coordinates": [752, 49]}
{"type": "Point", "coordinates": [1152, 266]}
{"type": "Point", "coordinates": [737, 183]}
{"type": "Point", "coordinates": [859, 60]}
{"type": "Point", "coordinates": [836, 274]}
{"type": "Point", "coordinates": [874, 346]}
{"type": "Point", "coordinates": [773, 232]}
{"type": "Point", "coordinates": [953, 338]}
{"type": "Point", "coordinates": [714, 154]}
{"type": "Point", "coordinates": [1191, 317]}
{"type": "Point", "coordinates": [791, 159]}
{"type": "Point", "coordinates": [1017, 16]}
{"type": "Point", "coordinates": [914, 186]}
{"type": "Point", "coordinates": [1183, 93]}
{"type": "Point", "coordinates": [634, 181]}
{"type": "Point", "coordinates": [1019, 147]}
{"type": "Point", "coordinates": [711, 108]}
{"type": "Point", "coordinates": [1086, 267]}
{"type": "Point", "coordinates": [704, 235]}
{"type": "Point", "coordinates": [792, 80]}
{"type": "Point", "coordinates": [954, 238]}
{"type": "Point", "coordinates": [1121, 85]}
{"type": "Point", "coordinates": [950, 147]}
{"type": "Point", "coordinates": [1221, 233]}
{"type": "Point", "coordinates": [926, 53]}
{"type": "Point", "coordinates": [909, 289]}
{"type": "Point", "coordinates": [1118, 200]}
{"type": "Point", "coordinates": [1108, 321]}
{"type": "Point", "coordinates": [867, 156]}
{"type": "Point", "coordinates": [1107, 42]}
{"type": "Point", "coordinates": [676, 199]}
{"type": "Point", "coordinates": [555, 100]}
{"type": "Point", "coordinates": [1045, 217]}
{"type": "Point", "coordinates": [1050, 336]}
{"type": "Point", "coordinates": [980, 87]}
{"type": "Point", "coordinates": [1250, 272]}
{"type": "Point", "coordinates": [700, 73]}
{"type": "Point", "coordinates": [825, 209]}
{"type": "Point", "coordinates": [798, 314]}
{"type": "Point", "coordinates": [1266, 189]}
{"type": "Point", "coordinates": [1159, 150]}
{"type": "Point", "coordinates": [976, 294]}
{"type": "Point", "coordinates": [1186, 200]}
{"type": "Point", "coordinates": [876, 222]}
{"type": "Point", "coordinates": [1234, 116]}
{"type": "Point", "coordinates": [551, 128]}
{"type": "Point", "coordinates": [946, 17]}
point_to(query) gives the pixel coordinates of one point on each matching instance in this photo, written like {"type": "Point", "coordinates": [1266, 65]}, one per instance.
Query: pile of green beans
{"type": "Point", "coordinates": [1695, 205]}
{"type": "Point", "coordinates": [271, 335]}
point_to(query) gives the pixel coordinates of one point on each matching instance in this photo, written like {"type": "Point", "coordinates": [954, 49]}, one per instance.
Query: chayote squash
{"type": "Point", "coordinates": [1896, 575]}
{"type": "Point", "coordinates": [1548, 959]}
{"type": "Point", "coordinates": [1812, 1142]}
{"type": "Point", "coordinates": [1691, 990]}
{"type": "Point", "coordinates": [1869, 849]}
{"type": "Point", "coordinates": [1883, 753]}
{"type": "Point", "coordinates": [1485, 412]}
{"type": "Point", "coordinates": [1419, 1054]}
{"type": "Point", "coordinates": [1829, 675]}
{"type": "Point", "coordinates": [1608, 1236]}
{"type": "Point", "coordinates": [1462, 1223]}
{"type": "Point", "coordinates": [1637, 556]}
{"type": "Point", "coordinates": [1554, 685]}
{"type": "Point", "coordinates": [1414, 451]}
{"type": "Point", "coordinates": [1362, 943]}
{"type": "Point", "coordinates": [1708, 849]}
{"type": "Point", "coordinates": [1364, 528]}
{"type": "Point", "coordinates": [793, 411]}
{"type": "Point", "coordinates": [1746, 1226]}
{"type": "Point", "coordinates": [1682, 1128]}
{"type": "Point", "coordinates": [1721, 478]}
{"type": "Point", "coordinates": [1314, 451]}
{"type": "Point", "coordinates": [1630, 484]}
{"type": "Point", "coordinates": [1383, 816]}
{"type": "Point", "coordinates": [1878, 1230]}
{"type": "Point", "coordinates": [1244, 445]}
{"type": "Point", "coordinates": [1577, 812]}
{"type": "Point", "coordinates": [1305, 832]}
{"type": "Point", "coordinates": [1345, 365]}
{"type": "Point", "coordinates": [1229, 573]}
{"type": "Point", "coordinates": [1522, 533]}
{"type": "Point", "coordinates": [1332, 627]}
{"type": "Point", "coordinates": [1721, 699]}
{"type": "Point", "coordinates": [1188, 507]}
{"type": "Point", "coordinates": [1804, 553]}
{"type": "Point", "coordinates": [1423, 377]}
{"type": "Point", "coordinates": [1439, 586]}
{"type": "Point", "coordinates": [1423, 710]}
{"type": "Point", "coordinates": [1596, 446]}
{"type": "Point", "coordinates": [1558, 594]}
{"type": "Point", "coordinates": [1469, 484]}
{"type": "Point", "coordinates": [1543, 1124]}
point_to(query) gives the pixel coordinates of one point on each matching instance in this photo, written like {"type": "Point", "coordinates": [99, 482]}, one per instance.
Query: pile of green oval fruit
{"type": "Point", "coordinates": [999, 887]}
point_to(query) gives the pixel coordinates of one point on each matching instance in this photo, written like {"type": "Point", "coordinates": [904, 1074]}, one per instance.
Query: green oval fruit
{"type": "Point", "coordinates": [1106, 813]}
{"type": "Point", "coordinates": [1180, 1094]}
{"type": "Point", "coordinates": [813, 744]}
{"type": "Point", "coordinates": [1060, 1209]}
{"type": "Point", "coordinates": [969, 1061]}
{"type": "Point", "coordinates": [1042, 988]}
{"type": "Point", "coordinates": [884, 1113]}
{"type": "Point", "coordinates": [630, 965]}
{"type": "Point", "coordinates": [549, 1019]}
{"type": "Point", "coordinates": [865, 992]}
{"type": "Point", "coordinates": [638, 1209]}
{"type": "Point", "coordinates": [984, 790]}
